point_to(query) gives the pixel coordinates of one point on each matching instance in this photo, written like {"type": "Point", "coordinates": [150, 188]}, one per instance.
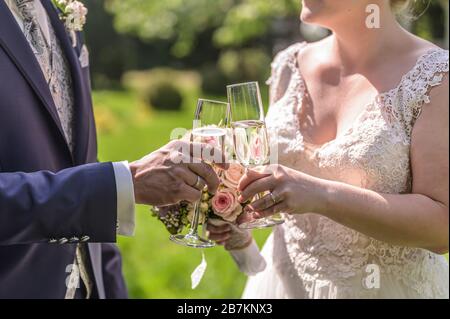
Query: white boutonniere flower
{"type": "Point", "coordinates": [73, 14]}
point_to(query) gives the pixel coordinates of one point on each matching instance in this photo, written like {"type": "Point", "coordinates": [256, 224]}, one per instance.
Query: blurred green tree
{"type": "Point", "coordinates": [226, 40]}
{"type": "Point", "coordinates": [233, 22]}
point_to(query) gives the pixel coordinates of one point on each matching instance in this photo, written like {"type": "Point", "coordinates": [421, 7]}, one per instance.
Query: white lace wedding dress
{"type": "Point", "coordinates": [311, 256]}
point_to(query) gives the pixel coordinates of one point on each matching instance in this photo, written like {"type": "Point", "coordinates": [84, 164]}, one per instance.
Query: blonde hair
{"type": "Point", "coordinates": [410, 9]}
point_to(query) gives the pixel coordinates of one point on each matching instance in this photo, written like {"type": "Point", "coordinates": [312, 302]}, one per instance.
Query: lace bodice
{"type": "Point", "coordinates": [374, 154]}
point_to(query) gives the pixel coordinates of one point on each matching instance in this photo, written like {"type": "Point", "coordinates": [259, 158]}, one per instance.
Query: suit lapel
{"type": "Point", "coordinates": [17, 48]}
{"type": "Point", "coordinates": [80, 89]}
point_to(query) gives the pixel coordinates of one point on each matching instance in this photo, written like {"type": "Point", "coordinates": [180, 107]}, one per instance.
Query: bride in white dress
{"type": "Point", "coordinates": [361, 122]}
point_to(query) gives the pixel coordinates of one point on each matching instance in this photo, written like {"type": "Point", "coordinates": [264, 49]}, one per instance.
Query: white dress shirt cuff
{"type": "Point", "coordinates": [125, 199]}
{"type": "Point", "coordinates": [249, 259]}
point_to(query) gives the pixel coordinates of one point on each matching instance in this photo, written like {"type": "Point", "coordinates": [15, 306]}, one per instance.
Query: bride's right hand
{"type": "Point", "coordinates": [228, 234]}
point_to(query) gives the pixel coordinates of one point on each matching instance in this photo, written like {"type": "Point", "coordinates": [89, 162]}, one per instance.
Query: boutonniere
{"type": "Point", "coordinates": [73, 14]}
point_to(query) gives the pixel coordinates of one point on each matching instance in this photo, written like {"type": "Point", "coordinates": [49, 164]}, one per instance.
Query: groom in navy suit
{"type": "Point", "coordinates": [60, 210]}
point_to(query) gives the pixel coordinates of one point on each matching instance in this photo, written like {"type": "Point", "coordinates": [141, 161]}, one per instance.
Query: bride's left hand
{"type": "Point", "coordinates": [291, 191]}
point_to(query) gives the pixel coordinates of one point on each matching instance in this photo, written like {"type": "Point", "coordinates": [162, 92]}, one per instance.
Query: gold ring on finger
{"type": "Point", "coordinates": [198, 184]}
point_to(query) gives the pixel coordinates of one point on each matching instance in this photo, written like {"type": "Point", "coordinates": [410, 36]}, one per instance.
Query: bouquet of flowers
{"type": "Point", "coordinates": [223, 204]}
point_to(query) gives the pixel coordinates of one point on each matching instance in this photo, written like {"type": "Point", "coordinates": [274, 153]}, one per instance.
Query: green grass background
{"type": "Point", "coordinates": [153, 266]}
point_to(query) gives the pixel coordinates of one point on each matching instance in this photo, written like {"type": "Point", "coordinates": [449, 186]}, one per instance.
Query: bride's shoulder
{"type": "Point", "coordinates": [286, 63]}
{"type": "Point", "coordinates": [422, 50]}
{"type": "Point", "coordinates": [283, 66]}
{"type": "Point", "coordinates": [287, 55]}
{"type": "Point", "coordinates": [425, 83]}
{"type": "Point", "coordinates": [290, 54]}
{"type": "Point", "coordinates": [429, 61]}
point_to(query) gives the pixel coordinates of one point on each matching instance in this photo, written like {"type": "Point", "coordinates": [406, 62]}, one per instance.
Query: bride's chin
{"type": "Point", "coordinates": [310, 9]}
{"type": "Point", "coordinates": [306, 16]}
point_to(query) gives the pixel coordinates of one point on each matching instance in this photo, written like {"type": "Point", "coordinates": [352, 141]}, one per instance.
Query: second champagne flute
{"type": "Point", "coordinates": [251, 143]}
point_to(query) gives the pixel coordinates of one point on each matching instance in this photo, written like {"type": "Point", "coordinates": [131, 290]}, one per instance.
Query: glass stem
{"type": "Point", "coordinates": [194, 222]}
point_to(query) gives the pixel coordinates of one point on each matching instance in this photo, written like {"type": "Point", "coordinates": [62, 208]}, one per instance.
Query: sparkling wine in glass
{"type": "Point", "coordinates": [210, 127]}
{"type": "Point", "coordinates": [251, 142]}
{"type": "Point", "coordinates": [250, 139]}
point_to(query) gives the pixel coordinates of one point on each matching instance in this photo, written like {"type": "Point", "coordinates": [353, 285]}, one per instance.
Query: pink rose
{"type": "Point", "coordinates": [225, 204]}
{"type": "Point", "coordinates": [232, 175]}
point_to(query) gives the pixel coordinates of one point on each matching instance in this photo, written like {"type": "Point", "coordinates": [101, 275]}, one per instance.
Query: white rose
{"type": "Point", "coordinates": [76, 16]}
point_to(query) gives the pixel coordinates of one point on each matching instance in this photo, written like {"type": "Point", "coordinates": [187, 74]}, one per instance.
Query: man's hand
{"type": "Point", "coordinates": [173, 173]}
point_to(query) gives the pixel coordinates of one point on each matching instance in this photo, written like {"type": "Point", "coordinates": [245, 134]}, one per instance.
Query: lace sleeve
{"type": "Point", "coordinates": [280, 76]}
{"type": "Point", "coordinates": [414, 92]}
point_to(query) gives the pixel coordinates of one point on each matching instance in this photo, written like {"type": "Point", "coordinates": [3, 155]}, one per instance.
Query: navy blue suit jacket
{"type": "Point", "coordinates": [48, 193]}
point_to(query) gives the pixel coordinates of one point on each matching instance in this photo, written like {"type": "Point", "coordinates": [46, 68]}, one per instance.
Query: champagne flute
{"type": "Point", "coordinates": [209, 127]}
{"type": "Point", "coordinates": [251, 143]}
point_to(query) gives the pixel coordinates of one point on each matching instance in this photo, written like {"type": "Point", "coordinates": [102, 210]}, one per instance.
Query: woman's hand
{"type": "Point", "coordinates": [227, 234]}
{"type": "Point", "coordinates": [291, 191]}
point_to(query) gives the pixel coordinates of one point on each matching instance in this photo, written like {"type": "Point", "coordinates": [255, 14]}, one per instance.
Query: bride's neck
{"type": "Point", "coordinates": [357, 46]}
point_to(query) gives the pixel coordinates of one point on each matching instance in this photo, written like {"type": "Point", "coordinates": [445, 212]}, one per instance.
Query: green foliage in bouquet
{"type": "Point", "coordinates": [176, 217]}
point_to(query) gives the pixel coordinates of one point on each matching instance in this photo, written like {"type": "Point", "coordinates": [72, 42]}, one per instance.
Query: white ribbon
{"type": "Point", "coordinates": [198, 272]}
